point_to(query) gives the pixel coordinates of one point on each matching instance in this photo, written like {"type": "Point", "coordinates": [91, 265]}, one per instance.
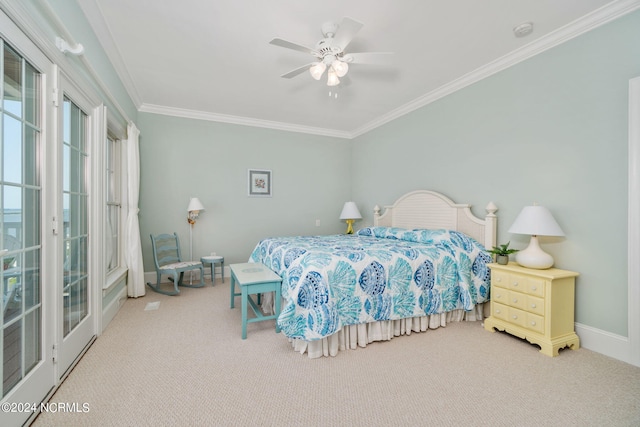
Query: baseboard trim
{"type": "Point", "coordinates": [603, 342]}
{"type": "Point", "coordinates": [110, 311]}
{"type": "Point", "coordinates": [150, 276]}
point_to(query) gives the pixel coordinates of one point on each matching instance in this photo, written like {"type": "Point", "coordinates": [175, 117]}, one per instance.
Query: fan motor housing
{"type": "Point", "coordinates": [329, 29]}
{"type": "Point", "coordinates": [327, 47]}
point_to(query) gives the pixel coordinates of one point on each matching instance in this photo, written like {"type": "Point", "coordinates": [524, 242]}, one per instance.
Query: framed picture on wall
{"type": "Point", "coordinates": [259, 183]}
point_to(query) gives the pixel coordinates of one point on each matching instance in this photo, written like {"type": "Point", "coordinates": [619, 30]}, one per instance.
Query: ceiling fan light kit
{"type": "Point", "coordinates": [329, 52]}
{"type": "Point", "coordinates": [332, 78]}
{"type": "Point", "coordinates": [317, 70]}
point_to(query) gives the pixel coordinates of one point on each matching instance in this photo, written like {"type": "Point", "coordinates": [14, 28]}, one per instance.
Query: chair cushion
{"type": "Point", "coordinates": [181, 264]}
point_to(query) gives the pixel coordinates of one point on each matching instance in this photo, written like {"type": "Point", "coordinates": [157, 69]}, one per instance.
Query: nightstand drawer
{"type": "Point", "coordinates": [517, 300]}
{"type": "Point", "coordinates": [529, 285]}
{"type": "Point", "coordinates": [499, 279]}
{"type": "Point", "coordinates": [535, 305]}
{"type": "Point", "coordinates": [500, 295]}
{"type": "Point", "coordinates": [518, 282]}
{"type": "Point", "coordinates": [517, 317]}
{"type": "Point", "coordinates": [535, 323]}
{"type": "Point", "coordinates": [523, 302]}
{"type": "Point", "coordinates": [500, 311]}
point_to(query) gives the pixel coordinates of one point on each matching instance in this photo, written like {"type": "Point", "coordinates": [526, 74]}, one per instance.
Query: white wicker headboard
{"type": "Point", "coordinates": [428, 209]}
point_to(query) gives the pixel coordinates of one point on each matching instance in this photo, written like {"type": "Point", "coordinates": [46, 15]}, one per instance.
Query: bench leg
{"type": "Point", "coordinates": [278, 301]}
{"type": "Point", "coordinates": [233, 290]}
{"type": "Point", "coordinates": [245, 295]}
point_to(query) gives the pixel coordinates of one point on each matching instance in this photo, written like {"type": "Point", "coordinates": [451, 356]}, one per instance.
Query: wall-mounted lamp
{"type": "Point", "coordinates": [195, 206]}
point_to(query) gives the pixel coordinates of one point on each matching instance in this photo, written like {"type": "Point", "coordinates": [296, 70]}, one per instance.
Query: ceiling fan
{"type": "Point", "coordinates": [330, 52]}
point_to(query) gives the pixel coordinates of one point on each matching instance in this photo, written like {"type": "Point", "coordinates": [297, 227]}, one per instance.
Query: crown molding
{"type": "Point", "coordinates": [238, 120]}
{"type": "Point", "coordinates": [595, 19]}
{"type": "Point", "coordinates": [578, 27]}
{"type": "Point", "coordinates": [94, 15]}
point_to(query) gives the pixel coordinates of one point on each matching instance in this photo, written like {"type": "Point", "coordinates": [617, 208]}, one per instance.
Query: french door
{"type": "Point", "coordinates": [26, 335]}
{"type": "Point", "coordinates": [76, 325]}
{"type": "Point", "coordinates": [48, 132]}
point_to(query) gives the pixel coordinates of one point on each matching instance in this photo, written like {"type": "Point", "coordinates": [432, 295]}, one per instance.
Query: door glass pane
{"type": "Point", "coordinates": [32, 88]}
{"type": "Point", "coordinates": [31, 282]}
{"type": "Point", "coordinates": [66, 173]}
{"type": "Point", "coordinates": [31, 156]}
{"type": "Point", "coordinates": [12, 149]}
{"type": "Point", "coordinates": [12, 100]}
{"type": "Point", "coordinates": [31, 218]}
{"type": "Point", "coordinates": [12, 352]}
{"type": "Point", "coordinates": [20, 218]}
{"type": "Point", "coordinates": [74, 200]}
{"type": "Point", "coordinates": [32, 339]}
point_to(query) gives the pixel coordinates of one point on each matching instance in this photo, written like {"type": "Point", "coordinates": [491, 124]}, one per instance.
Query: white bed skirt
{"type": "Point", "coordinates": [354, 336]}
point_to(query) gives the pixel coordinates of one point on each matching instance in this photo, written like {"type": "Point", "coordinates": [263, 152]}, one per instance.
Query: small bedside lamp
{"type": "Point", "coordinates": [350, 213]}
{"type": "Point", "coordinates": [536, 221]}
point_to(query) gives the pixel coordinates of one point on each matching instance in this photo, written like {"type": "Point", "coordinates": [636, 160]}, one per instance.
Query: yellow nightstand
{"type": "Point", "coordinates": [536, 305]}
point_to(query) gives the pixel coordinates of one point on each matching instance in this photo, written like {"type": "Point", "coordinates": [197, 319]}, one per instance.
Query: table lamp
{"type": "Point", "coordinates": [350, 213]}
{"type": "Point", "coordinates": [536, 221]}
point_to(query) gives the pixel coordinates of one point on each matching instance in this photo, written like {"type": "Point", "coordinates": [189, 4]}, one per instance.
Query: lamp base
{"type": "Point", "coordinates": [533, 256]}
{"type": "Point", "coordinates": [350, 226]}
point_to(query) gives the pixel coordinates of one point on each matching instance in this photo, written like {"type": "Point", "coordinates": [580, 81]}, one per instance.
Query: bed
{"type": "Point", "coordinates": [422, 264]}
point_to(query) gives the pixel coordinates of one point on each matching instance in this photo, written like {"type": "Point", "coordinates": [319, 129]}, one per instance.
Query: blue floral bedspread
{"type": "Point", "coordinates": [380, 273]}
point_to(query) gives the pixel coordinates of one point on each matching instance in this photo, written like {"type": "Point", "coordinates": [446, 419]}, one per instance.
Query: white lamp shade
{"type": "Point", "coordinates": [340, 67]}
{"type": "Point", "coordinates": [195, 205]}
{"type": "Point", "coordinates": [350, 211]}
{"type": "Point", "coordinates": [332, 78]}
{"type": "Point", "coordinates": [536, 221]}
{"type": "Point", "coordinates": [317, 69]}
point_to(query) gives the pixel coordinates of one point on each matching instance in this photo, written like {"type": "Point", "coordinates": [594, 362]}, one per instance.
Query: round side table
{"type": "Point", "coordinates": [212, 260]}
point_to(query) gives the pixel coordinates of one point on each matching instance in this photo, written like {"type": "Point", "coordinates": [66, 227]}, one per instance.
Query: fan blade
{"type": "Point", "coordinates": [297, 71]}
{"type": "Point", "coordinates": [346, 32]}
{"type": "Point", "coordinates": [294, 46]}
{"type": "Point", "coordinates": [375, 58]}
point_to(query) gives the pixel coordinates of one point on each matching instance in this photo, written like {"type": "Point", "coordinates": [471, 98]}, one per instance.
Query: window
{"type": "Point", "coordinates": [113, 205]}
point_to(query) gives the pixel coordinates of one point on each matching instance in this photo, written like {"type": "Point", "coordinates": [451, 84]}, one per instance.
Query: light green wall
{"type": "Point", "coordinates": [183, 158]}
{"type": "Point", "coordinates": [551, 130]}
{"type": "Point", "coordinates": [72, 17]}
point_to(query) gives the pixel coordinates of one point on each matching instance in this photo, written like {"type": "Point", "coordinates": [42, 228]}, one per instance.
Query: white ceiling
{"type": "Point", "coordinates": [212, 59]}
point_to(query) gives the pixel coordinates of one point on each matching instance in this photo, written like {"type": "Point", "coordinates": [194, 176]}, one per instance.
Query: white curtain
{"type": "Point", "coordinates": [133, 247]}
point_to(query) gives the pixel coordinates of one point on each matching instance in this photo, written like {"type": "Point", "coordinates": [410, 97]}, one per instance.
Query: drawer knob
{"type": "Point", "coordinates": [533, 306]}
{"type": "Point", "coordinates": [515, 317]}
{"type": "Point", "coordinates": [515, 283]}
{"type": "Point", "coordinates": [498, 311]}
{"type": "Point", "coordinates": [515, 300]}
{"type": "Point", "coordinates": [533, 323]}
{"type": "Point", "coordinates": [498, 279]}
{"type": "Point", "coordinates": [534, 288]}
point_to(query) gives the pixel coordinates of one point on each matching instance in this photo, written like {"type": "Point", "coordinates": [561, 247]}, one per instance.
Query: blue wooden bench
{"type": "Point", "coordinates": [254, 278]}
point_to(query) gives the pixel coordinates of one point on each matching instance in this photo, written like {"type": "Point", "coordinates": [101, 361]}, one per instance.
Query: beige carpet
{"type": "Point", "coordinates": [186, 365]}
